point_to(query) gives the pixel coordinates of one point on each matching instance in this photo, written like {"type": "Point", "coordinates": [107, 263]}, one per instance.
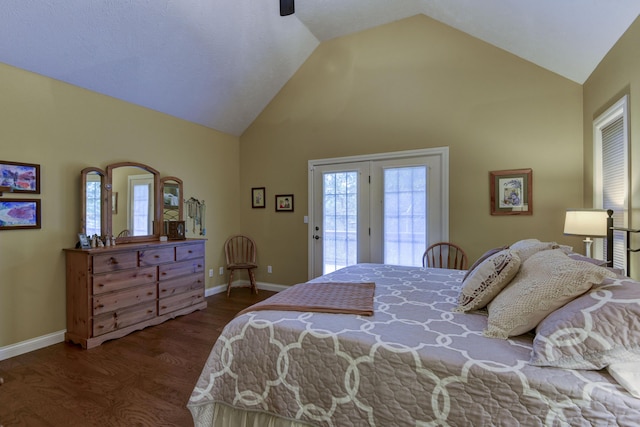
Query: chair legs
{"type": "Point", "coordinates": [230, 282]}
{"type": "Point", "coordinates": [252, 279]}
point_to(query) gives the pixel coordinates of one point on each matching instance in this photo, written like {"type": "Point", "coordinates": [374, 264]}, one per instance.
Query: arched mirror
{"type": "Point", "coordinates": [93, 201]}
{"type": "Point", "coordinates": [134, 207]}
{"type": "Point", "coordinates": [171, 198]}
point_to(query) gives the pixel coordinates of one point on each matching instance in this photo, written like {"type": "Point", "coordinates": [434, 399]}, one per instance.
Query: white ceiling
{"type": "Point", "coordinates": [219, 63]}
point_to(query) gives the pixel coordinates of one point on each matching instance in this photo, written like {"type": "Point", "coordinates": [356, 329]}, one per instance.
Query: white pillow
{"type": "Point", "coordinates": [628, 376]}
{"type": "Point", "coordinates": [546, 281]}
{"type": "Point", "coordinates": [487, 280]}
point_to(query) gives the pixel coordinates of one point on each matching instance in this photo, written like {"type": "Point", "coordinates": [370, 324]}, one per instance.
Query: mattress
{"type": "Point", "coordinates": [415, 362]}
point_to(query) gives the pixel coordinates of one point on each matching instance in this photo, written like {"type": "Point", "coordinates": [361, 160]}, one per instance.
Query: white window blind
{"type": "Point", "coordinates": [611, 173]}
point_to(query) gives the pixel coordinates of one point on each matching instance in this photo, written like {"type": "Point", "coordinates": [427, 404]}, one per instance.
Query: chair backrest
{"type": "Point", "coordinates": [240, 249]}
{"type": "Point", "coordinates": [445, 255]}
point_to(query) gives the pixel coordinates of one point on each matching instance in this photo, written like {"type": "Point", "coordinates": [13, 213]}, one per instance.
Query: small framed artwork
{"type": "Point", "coordinates": [284, 202]}
{"type": "Point", "coordinates": [18, 214]}
{"type": "Point", "coordinates": [511, 192]}
{"type": "Point", "coordinates": [257, 197]}
{"type": "Point", "coordinates": [20, 177]}
{"type": "Point", "coordinates": [84, 241]}
{"type": "Point", "coordinates": [114, 202]}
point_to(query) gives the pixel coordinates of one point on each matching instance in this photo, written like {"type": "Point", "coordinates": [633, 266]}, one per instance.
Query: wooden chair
{"type": "Point", "coordinates": [445, 255]}
{"type": "Point", "coordinates": [240, 252]}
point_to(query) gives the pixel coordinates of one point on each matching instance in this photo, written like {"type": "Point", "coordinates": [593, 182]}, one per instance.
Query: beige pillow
{"type": "Point", "coordinates": [528, 247]}
{"type": "Point", "coordinates": [487, 280]}
{"type": "Point", "coordinates": [546, 281]}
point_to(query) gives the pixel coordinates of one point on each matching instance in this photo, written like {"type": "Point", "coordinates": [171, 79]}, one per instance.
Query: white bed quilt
{"type": "Point", "coordinates": [413, 363]}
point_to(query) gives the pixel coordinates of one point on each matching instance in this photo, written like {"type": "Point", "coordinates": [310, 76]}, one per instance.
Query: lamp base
{"type": "Point", "coordinates": [587, 247]}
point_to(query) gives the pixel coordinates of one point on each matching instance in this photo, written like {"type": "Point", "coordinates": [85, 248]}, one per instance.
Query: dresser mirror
{"type": "Point", "coordinates": [171, 198]}
{"type": "Point", "coordinates": [93, 212]}
{"type": "Point", "coordinates": [133, 208]}
{"type": "Point", "coordinates": [127, 201]}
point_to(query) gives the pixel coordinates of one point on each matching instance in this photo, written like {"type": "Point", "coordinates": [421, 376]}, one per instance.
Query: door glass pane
{"type": "Point", "coordinates": [340, 220]}
{"type": "Point", "coordinates": [405, 207]}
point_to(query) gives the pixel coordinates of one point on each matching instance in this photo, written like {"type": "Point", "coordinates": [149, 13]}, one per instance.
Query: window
{"type": "Point", "coordinates": [611, 173]}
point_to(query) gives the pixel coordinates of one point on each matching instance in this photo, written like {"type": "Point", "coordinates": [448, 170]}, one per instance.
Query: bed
{"type": "Point", "coordinates": [431, 353]}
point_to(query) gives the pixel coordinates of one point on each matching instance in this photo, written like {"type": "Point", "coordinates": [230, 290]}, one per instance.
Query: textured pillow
{"type": "Point", "coordinates": [593, 331]}
{"type": "Point", "coordinates": [481, 260]}
{"type": "Point", "coordinates": [528, 247]}
{"type": "Point", "coordinates": [580, 257]}
{"type": "Point", "coordinates": [487, 280]}
{"type": "Point", "coordinates": [546, 281]}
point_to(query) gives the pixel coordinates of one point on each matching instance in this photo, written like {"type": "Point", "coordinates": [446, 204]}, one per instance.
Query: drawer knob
{"type": "Point", "coordinates": [112, 260]}
{"type": "Point", "coordinates": [100, 306]}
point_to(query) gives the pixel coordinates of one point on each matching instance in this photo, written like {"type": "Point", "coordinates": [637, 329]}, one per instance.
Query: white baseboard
{"type": "Point", "coordinates": [31, 345]}
{"type": "Point", "coordinates": [43, 341]}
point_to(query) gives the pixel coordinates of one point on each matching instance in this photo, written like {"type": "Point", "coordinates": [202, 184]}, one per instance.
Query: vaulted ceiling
{"type": "Point", "coordinates": [219, 63]}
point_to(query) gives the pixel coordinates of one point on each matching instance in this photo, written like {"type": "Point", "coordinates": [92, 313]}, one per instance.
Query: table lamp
{"type": "Point", "coordinates": [586, 222]}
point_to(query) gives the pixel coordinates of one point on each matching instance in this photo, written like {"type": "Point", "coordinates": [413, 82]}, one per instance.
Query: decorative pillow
{"type": "Point", "coordinates": [528, 247]}
{"type": "Point", "coordinates": [481, 260]}
{"type": "Point", "coordinates": [593, 331]}
{"type": "Point", "coordinates": [487, 280]}
{"type": "Point", "coordinates": [546, 281]}
{"type": "Point", "coordinates": [601, 263]}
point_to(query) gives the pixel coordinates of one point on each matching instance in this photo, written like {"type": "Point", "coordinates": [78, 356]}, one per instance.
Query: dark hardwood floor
{"type": "Point", "coordinates": [143, 379]}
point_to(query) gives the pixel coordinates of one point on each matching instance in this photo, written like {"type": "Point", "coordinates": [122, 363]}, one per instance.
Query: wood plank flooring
{"type": "Point", "coordinates": [143, 379]}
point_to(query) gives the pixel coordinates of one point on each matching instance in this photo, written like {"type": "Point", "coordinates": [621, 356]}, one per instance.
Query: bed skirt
{"type": "Point", "coordinates": [221, 415]}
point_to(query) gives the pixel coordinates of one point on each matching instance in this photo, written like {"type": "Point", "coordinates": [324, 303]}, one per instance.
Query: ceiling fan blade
{"type": "Point", "coordinates": [286, 7]}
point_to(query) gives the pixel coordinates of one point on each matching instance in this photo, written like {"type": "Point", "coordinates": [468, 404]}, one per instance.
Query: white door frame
{"type": "Point", "coordinates": [442, 153]}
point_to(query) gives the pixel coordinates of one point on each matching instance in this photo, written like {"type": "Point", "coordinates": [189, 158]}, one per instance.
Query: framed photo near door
{"type": "Point", "coordinates": [284, 203]}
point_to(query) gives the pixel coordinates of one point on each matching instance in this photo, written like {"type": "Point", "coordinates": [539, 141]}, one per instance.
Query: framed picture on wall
{"type": "Point", "coordinates": [511, 192]}
{"type": "Point", "coordinates": [20, 177]}
{"type": "Point", "coordinates": [258, 197]}
{"type": "Point", "coordinates": [284, 203]}
{"type": "Point", "coordinates": [16, 214]}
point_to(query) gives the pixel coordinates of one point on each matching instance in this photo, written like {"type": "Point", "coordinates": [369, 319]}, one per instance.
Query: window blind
{"type": "Point", "coordinates": [614, 183]}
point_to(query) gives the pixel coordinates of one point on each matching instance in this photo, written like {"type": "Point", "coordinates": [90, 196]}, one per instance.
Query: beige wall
{"type": "Point", "coordinates": [618, 74]}
{"type": "Point", "coordinates": [64, 129]}
{"type": "Point", "coordinates": [414, 84]}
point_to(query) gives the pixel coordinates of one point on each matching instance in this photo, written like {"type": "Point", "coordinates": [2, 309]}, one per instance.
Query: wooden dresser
{"type": "Point", "coordinates": [116, 290]}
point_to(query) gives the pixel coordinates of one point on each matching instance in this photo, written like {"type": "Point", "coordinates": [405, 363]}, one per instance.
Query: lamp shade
{"type": "Point", "coordinates": [586, 222]}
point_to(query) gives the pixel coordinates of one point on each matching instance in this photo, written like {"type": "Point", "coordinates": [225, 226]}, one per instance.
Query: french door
{"type": "Point", "coordinates": [383, 208]}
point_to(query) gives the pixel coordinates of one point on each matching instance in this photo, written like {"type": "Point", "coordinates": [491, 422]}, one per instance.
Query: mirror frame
{"type": "Point", "coordinates": [163, 181]}
{"type": "Point", "coordinates": [103, 194]}
{"type": "Point", "coordinates": [157, 220]}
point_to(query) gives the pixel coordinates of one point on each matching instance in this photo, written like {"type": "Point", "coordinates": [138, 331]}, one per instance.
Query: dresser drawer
{"type": "Point", "coordinates": [176, 302]}
{"type": "Point", "coordinates": [112, 301]}
{"type": "Point", "coordinates": [189, 252]}
{"type": "Point", "coordinates": [182, 284]}
{"type": "Point", "coordinates": [114, 261]}
{"type": "Point", "coordinates": [183, 268]}
{"type": "Point", "coordinates": [108, 282]}
{"type": "Point", "coordinates": [157, 256]}
{"type": "Point", "coordinates": [124, 317]}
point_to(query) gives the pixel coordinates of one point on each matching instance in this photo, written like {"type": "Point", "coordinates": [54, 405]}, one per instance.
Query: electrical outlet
{"type": "Point", "coordinates": [221, 271]}
{"type": "Point", "coordinates": [269, 269]}
{"type": "Point", "coordinates": [211, 272]}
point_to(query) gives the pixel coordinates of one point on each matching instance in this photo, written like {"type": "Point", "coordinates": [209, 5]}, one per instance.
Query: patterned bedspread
{"type": "Point", "coordinates": [413, 363]}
